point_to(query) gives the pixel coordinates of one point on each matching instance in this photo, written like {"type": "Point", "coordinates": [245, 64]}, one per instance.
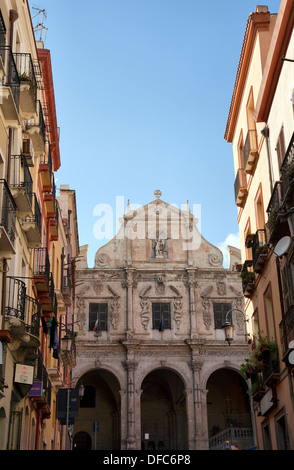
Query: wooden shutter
{"type": "Point", "coordinates": [156, 315]}
{"type": "Point", "coordinates": [220, 312]}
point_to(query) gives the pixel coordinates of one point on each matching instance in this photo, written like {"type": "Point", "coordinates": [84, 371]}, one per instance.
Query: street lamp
{"type": "Point", "coordinates": [66, 342]}
{"type": "Point", "coordinates": [228, 327]}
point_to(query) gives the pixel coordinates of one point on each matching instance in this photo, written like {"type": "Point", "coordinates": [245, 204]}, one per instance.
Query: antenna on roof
{"type": "Point", "coordinates": [40, 26]}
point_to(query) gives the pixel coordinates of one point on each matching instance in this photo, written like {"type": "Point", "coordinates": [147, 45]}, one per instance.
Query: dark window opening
{"type": "Point", "coordinates": [161, 316]}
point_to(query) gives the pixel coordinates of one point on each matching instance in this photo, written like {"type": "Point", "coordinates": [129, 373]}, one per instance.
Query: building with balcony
{"type": "Point", "coordinates": [260, 128]}
{"type": "Point", "coordinates": [151, 351]}
{"type": "Point", "coordinates": [35, 238]}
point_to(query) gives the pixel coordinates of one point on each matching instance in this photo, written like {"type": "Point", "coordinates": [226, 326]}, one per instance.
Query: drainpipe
{"type": "Point", "coordinates": [265, 133]}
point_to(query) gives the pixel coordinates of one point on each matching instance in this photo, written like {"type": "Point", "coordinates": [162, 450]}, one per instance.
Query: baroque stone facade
{"type": "Point", "coordinates": [155, 300]}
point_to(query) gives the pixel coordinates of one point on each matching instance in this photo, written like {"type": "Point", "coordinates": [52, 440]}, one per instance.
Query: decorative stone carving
{"type": "Point", "coordinates": [178, 311]}
{"type": "Point", "coordinates": [145, 312]}
{"type": "Point", "coordinates": [207, 316]}
{"type": "Point", "coordinates": [98, 286]}
{"type": "Point", "coordinates": [102, 260]}
{"type": "Point", "coordinates": [221, 288]}
{"type": "Point", "coordinates": [160, 286]}
{"type": "Point", "coordinates": [81, 304]}
{"type": "Point", "coordinates": [114, 315]}
{"type": "Point", "coordinates": [215, 259]}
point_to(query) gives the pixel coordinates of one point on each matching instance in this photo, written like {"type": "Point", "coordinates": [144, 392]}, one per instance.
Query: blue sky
{"type": "Point", "coordinates": [142, 90]}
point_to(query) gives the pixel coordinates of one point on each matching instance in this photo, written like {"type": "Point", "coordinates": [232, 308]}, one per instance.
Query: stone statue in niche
{"type": "Point", "coordinates": [159, 247]}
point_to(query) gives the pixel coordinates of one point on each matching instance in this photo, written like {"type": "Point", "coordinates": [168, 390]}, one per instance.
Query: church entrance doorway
{"type": "Point", "coordinates": [99, 411]}
{"type": "Point", "coordinates": [228, 410]}
{"type": "Point", "coordinates": [163, 411]}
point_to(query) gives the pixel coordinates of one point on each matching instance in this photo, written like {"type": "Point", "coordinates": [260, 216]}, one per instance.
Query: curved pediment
{"type": "Point", "coordinates": [159, 233]}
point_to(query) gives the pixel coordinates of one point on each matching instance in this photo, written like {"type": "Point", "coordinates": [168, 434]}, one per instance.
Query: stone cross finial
{"type": "Point", "coordinates": [157, 193]}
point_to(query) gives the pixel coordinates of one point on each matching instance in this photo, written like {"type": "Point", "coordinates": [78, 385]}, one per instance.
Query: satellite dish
{"type": "Point", "coordinates": [282, 246]}
{"type": "Point", "coordinates": [291, 357]}
{"type": "Point", "coordinates": [291, 345]}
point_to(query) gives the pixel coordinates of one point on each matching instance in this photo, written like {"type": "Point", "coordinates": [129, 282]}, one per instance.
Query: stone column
{"type": "Point", "coordinates": [190, 418]}
{"type": "Point", "coordinates": [199, 406]}
{"type": "Point", "coordinates": [191, 284]}
{"type": "Point", "coordinates": [131, 366]}
{"type": "Point", "coordinates": [129, 284]}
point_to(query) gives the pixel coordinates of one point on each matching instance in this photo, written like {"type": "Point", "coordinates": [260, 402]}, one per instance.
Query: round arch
{"type": "Point", "coordinates": [100, 409]}
{"type": "Point", "coordinates": [228, 409]}
{"type": "Point", "coordinates": [163, 411]}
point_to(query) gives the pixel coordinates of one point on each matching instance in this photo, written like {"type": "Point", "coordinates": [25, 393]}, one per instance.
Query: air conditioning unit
{"type": "Point", "coordinates": [28, 151]}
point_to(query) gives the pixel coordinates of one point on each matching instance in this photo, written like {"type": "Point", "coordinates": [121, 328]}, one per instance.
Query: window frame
{"type": "Point", "coordinates": [217, 322]}
{"type": "Point", "coordinates": [97, 313]}
{"type": "Point", "coordinates": [161, 319]}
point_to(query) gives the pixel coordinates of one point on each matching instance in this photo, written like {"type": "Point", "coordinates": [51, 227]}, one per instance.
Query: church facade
{"type": "Point", "coordinates": [151, 352]}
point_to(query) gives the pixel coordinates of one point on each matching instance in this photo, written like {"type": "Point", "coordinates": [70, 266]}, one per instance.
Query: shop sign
{"type": "Point", "coordinates": [24, 374]}
{"type": "Point", "coordinates": [36, 390]}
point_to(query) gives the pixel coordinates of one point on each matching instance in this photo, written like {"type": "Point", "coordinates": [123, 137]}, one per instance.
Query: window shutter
{"type": "Point", "coordinates": [156, 315]}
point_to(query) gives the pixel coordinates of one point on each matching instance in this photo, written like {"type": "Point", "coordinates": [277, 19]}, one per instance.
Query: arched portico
{"type": "Point", "coordinates": [99, 411]}
{"type": "Point", "coordinates": [228, 409]}
{"type": "Point", "coordinates": [163, 411]}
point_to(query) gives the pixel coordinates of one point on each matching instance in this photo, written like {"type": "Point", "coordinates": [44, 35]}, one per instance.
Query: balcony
{"type": "Point", "coordinates": [287, 332]}
{"type": "Point", "coordinates": [50, 201]}
{"type": "Point", "coordinates": [240, 188]}
{"type": "Point", "coordinates": [250, 151]}
{"type": "Point", "coordinates": [10, 89]}
{"type": "Point", "coordinates": [43, 282]}
{"type": "Point", "coordinates": [31, 225]}
{"type": "Point", "coordinates": [248, 279]}
{"type": "Point", "coordinates": [53, 226]}
{"type": "Point", "coordinates": [45, 171]}
{"type": "Point", "coordinates": [66, 286]}
{"type": "Point", "coordinates": [22, 315]}
{"type": "Point", "coordinates": [28, 151]}
{"type": "Point", "coordinates": [277, 221]}
{"type": "Point", "coordinates": [287, 175]}
{"type": "Point", "coordinates": [7, 221]}
{"type": "Point", "coordinates": [41, 390]}
{"type": "Point", "coordinates": [259, 251]}
{"type": "Point", "coordinates": [28, 84]}
{"type": "Point", "coordinates": [36, 129]}
{"type": "Point", "coordinates": [21, 185]}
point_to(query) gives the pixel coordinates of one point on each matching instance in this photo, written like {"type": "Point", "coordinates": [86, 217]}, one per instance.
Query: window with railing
{"type": "Point", "coordinates": [2, 31]}
{"type": "Point", "coordinates": [26, 71]}
{"type": "Point", "coordinates": [7, 210]}
{"type": "Point", "coordinates": [20, 175]}
{"type": "Point", "coordinates": [11, 76]}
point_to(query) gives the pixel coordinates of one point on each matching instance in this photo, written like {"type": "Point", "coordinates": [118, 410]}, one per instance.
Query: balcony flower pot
{"type": "Point", "coordinates": [249, 240]}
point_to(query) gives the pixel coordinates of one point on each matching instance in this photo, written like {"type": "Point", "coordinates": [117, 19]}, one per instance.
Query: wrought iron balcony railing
{"type": "Point", "coordinates": [274, 206]}
{"type": "Point", "coordinates": [33, 314]}
{"type": "Point", "coordinates": [287, 171]}
{"type": "Point", "coordinates": [41, 262]}
{"type": "Point", "coordinates": [11, 76]}
{"type": "Point", "coordinates": [38, 121]}
{"type": "Point", "coordinates": [259, 250]}
{"type": "Point", "coordinates": [20, 175]}
{"type": "Point", "coordinates": [15, 298]}
{"type": "Point", "coordinates": [7, 210]}
{"type": "Point", "coordinates": [248, 278]}
{"type": "Point", "coordinates": [26, 71]}
{"type": "Point", "coordinates": [287, 330]}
